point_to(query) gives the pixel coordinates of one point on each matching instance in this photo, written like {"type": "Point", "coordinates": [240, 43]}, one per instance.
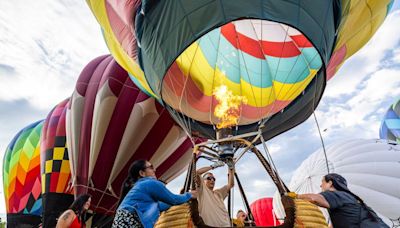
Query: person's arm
{"type": "Point", "coordinates": [163, 206]}
{"type": "Point", "coordinates": [231, 179]}
{"type": "Point", "coordinates": [159, 192]}
{"type": "Point", "coordinates": [66, 219]}
{"type": "Point", "coordinates": [203, 170]}
{"type": "Point", "coordinates": [316, 199]}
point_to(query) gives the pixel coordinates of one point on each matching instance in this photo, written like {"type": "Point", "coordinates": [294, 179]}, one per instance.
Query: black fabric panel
{"type": "Point", "coordinates": [48, 181]}
{"type": "Point", "coordinates": [49, 154]}
{"type": "Point", "coordinates": [31, 202]}
{"type": "Point", "coordinates": [54, 204]}
{"type": "Point", "coordinates": [23, 221]}
{"type": "Point", "coordinates": [56, 166]}
{"type": "Point", "coordinates": [60, 141]}
{"type": "Point", "coordinates": [166, 28]}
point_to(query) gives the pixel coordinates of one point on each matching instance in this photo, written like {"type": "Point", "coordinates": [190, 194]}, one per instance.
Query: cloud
{"type": "Point", "coordinates": [44, 46]}
{"type": "Point", "coordinates": [44, 52]}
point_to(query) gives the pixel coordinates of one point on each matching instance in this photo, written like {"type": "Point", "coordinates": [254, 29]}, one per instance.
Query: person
{"type": "Point", "coordinates": [345, 208]}
{"type": "Point", "coordinates": [143, 197]}
{"type": "Point", "coordinates": [211, 202]}
{"type": "Point", "coordinates": [74, 217]}
{"type": "Point", "coordinates": [240, 219]}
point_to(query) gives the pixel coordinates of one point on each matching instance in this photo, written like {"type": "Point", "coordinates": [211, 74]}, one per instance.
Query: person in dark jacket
{"type": "Point", "coordinates": [345, 208]}
{"type": "Point", "coordinates": [143, 197]}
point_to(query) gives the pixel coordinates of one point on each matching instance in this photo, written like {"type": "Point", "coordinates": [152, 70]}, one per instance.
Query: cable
{"type": "Point", "coordinates": [322, 142]}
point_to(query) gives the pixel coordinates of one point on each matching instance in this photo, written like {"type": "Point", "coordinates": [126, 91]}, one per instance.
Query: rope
{"type": "Point", "coordinates": [322, 142]}
{"type": "Point", "coordinates": [279, 184]}
{"type": "Point", "coordinates": [268, 155]}
{"type": "Point", "coordinates": [188, 178]}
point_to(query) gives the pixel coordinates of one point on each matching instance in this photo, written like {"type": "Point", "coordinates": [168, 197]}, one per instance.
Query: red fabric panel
{"type": "Point", "coordinates": [262, 210]}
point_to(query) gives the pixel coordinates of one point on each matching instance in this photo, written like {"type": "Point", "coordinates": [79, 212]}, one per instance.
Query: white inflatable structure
{"type": "Point", "coordinates": [371, 168]}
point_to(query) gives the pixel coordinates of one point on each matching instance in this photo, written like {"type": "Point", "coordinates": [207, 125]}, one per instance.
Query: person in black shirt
{"type": "Point", "coordinates": [345, 208]}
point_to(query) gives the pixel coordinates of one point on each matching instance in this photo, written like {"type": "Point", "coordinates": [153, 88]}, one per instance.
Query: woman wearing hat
{"type": "Point", "coordinates": [345, 208]}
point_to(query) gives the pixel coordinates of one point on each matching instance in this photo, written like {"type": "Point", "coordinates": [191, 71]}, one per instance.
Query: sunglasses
{"type": "Point", "coordinates": [210, 178]}
{"type": "Point", "coordinates": [149, 167]}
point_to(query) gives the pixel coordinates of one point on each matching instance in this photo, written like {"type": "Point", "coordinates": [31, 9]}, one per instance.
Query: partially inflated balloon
{"type": "Point", "coordinates": [55, 168]}
{"type": "Point", "coordinates": [276, 55]}
{"type": "Point", "coordinates": [371, 168]}
{"type": "Point", "coordinates": [111, 123]}
{"type": "Point", "coordinates": [390, 126]}
{"type": "Point", "coordinates": [263, 212]}
{"type": "Point", "coordinates": [21, 178]}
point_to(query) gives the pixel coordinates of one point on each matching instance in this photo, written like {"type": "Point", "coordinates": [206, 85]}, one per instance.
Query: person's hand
{"type": "Point", "coordinates": [217, 164]}
{"type": "Point", "coordinates": [292, 195]}
{"type": "Point", "coordinates": [231, 164]}
{"type": "Point", "coordinates": [194, 194]}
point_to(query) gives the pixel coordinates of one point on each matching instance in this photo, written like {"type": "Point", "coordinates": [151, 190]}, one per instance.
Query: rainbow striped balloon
{"type": "Point", "coordinates": [267, 63]}
{"type": "Point", "coordinates": [276, 55]}
{"type": "Point", "coordinates": [21, 173]}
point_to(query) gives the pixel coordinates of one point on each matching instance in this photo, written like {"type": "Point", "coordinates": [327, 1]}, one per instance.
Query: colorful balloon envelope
{"type": "Point", "coordinates": [57, 193]}
{"type": "Point", "coordinates": [21, 178]}
{"type": "Point", "coordinates": [371, 168]}
{"type": "Point", "coordinates": [263, 212]}
{"type": "Point", "coordinates": [390, 126]}
{"type": "Point", "coordinates": [275, 55]}
{"type": "Point", "coordinates": [111, 123]}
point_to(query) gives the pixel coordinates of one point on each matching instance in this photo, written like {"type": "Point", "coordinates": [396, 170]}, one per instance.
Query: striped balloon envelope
{"type": "Point", "coordinates": [21, 177]}
{"type": "Point", "coordinates": [275, 55]}
{"type": "Point", "coordinates": [390, 126]}
{"type": "Point", "coordinates": [57, 193]}
{"type": "Point", "coordinates": [111, 123]}
{"type": "Point", "coordinates": [267, 63]}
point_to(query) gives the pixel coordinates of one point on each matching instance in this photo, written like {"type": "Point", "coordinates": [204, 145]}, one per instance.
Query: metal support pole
{"type": "Point", "coordinates": [246, 202]}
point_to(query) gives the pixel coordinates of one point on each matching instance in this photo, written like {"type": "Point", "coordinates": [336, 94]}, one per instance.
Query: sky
{"type": "Point", "coordinates": [45, 44]}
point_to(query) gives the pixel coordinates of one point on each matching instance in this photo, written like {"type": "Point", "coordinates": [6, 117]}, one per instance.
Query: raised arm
{"type": "Point", "coordinates": [231, 178]}
{"type": "Point", "coordinates": [203, 170]}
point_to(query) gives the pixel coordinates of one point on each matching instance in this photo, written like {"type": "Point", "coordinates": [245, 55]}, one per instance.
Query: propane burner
{"type": "Point", "coordinates": [225, 149]}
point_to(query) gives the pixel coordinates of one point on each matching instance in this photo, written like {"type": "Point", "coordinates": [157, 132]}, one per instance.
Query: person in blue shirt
{"type": "Point", "coordinates": [143, 197]}
{"type": "Point", "coordinates": [346, 209]}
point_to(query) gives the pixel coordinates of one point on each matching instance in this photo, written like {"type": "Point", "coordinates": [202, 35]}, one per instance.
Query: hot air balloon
{"type": "Point", "coordinates": [237, 72]}
{"type": "Point", "coordinates": [390, 126]}
{"type": "Point", "coordinates": [111, 123]}
{"type": "Point", "coordinates": [276, 55]}
{"type": "Point", "coordinates": [263, 212]}
{"type": "Point", "coordinates": [21, 178]}
{"type": "Point", "coordinates": [57, 193]}
{"type": "Point", "coordinates": [371, 168]}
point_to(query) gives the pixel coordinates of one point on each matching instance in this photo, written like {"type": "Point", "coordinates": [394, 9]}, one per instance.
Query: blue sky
{"type": "Point", "coordinates": [47, 43]}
